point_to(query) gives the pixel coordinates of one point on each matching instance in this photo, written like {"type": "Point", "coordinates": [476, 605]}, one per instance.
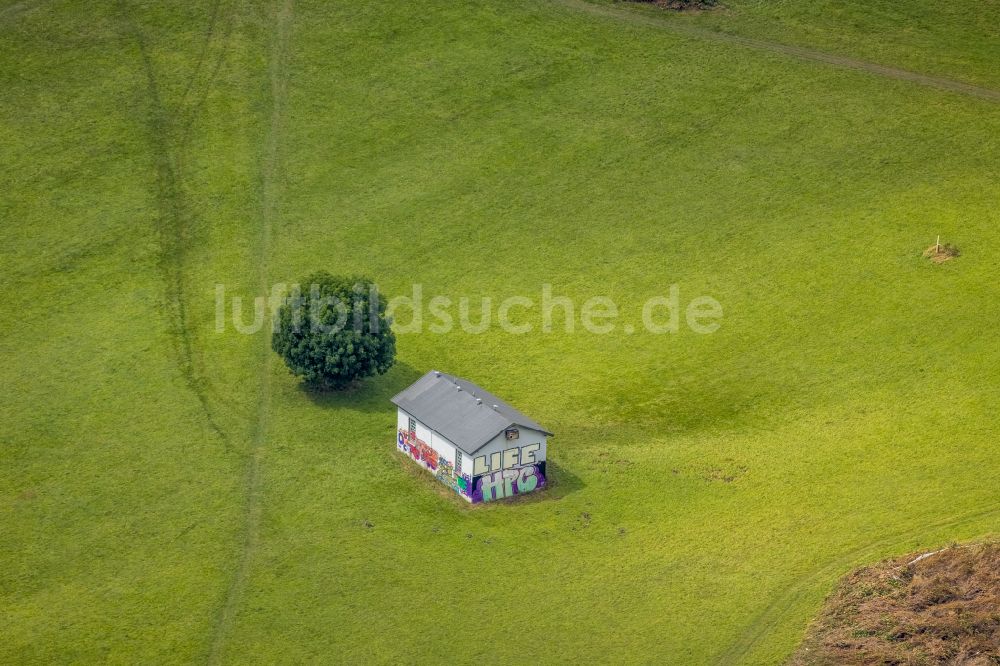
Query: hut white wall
{"type": "Point", "coordinates": [447, 449]}
{"type": "Point", "coordinates": [500, 443]}
{"type": "Point", "coordinates": [444, 447]}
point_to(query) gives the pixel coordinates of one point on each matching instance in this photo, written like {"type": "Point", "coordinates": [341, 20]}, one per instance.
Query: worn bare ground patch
{"type": "Point", "coordinates": [941, 253]}
{"type": "Point", "coordinates": [682, 5]}
{"type": "Point", "coordinates": [933, 608]}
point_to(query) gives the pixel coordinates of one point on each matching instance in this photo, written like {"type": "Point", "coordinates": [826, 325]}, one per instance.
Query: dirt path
{"type": "Point", "coordinates": [271, 174]}
{"type": "Point", "coordinates": [844, 62]}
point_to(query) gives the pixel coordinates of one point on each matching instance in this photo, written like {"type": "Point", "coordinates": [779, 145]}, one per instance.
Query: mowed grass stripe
{"type": "Point", "coordinates": [271, 173]}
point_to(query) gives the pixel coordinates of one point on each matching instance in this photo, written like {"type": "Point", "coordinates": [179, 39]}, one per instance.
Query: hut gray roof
{"type": "Point", "coordinates": [468, 415]}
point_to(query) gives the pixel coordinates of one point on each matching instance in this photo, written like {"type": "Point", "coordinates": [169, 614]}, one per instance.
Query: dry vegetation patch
{"type": "Point", "coordinates": [681, 5]}
{"type": "Point", "coordinates": [938, 608]}
{"type": "Point", "coordinates": [941, 253]}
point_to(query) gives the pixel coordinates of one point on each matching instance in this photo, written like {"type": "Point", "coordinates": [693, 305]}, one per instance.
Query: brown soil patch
{"type": "Point", "coordinates": [682, 5]}
{"type": "Point", "coordinates": [941, 253]}
{"type": "Point", "coordinates": [939, 608]}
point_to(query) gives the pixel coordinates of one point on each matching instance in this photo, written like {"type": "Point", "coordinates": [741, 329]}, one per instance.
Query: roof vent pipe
{"type": "Point", "coordinates": [479, 401]}
{"type": "Point", "coordinates": [496, 407]}
{"type": "Point", "coordinates": [437, 374]}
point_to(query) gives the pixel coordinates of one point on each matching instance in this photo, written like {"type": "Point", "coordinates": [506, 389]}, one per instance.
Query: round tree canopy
{"type": "Point", "coordinates": [333, 330]}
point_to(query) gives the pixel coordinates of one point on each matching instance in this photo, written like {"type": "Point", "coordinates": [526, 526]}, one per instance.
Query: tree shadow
{"type": "Point", "coordinates": [367, 395]}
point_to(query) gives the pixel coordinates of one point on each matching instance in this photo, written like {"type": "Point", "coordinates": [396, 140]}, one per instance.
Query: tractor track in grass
{"type": "Point", "coordinates": [271, 173]}
{"type": "Point", "coordinates": [802, 53]}
{"type": "Point", "coordinates": [176, 218]}
{"type": "Point", "coordinates": [778, 611]}
{"type": "Point", "coordinates": [200, 89]}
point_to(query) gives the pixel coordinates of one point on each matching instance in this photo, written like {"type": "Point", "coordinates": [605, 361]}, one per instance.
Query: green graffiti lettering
{"type": "Point", "coordinates": [526, 480]}
{"type": "Point", "coordinates": [508, 483]}
{"type": "Point", "coordinates": [492, 487]}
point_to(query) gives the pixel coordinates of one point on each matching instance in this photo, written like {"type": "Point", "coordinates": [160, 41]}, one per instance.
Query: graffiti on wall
{"type": "Point", "coordinates": [424, 454]}
{"type": "Point", "coordinates": [418, 449]}
{"type": "Point", "coordinates": [517, 456]}
{"type": "Point", "coordinates": [508, 482]}
{"type": "Point", "coordinates": [447, 475]}
{"type": "Point", "coordinates": [503, 474]}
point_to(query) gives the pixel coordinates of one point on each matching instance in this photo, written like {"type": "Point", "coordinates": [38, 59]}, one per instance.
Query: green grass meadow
{"type": "Point", "coordinates": [171, 494]}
